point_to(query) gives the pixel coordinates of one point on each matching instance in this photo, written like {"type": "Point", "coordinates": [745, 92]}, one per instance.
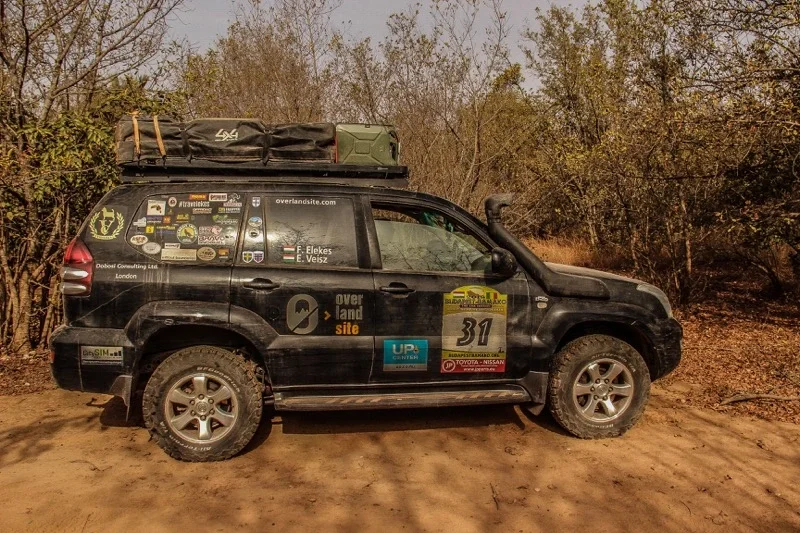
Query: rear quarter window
{"type": "Point", "coordinates": [187, 227]}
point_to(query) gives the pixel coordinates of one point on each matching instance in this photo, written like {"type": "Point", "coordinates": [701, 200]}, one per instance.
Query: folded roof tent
{"type": "Point", "coordinates": [156, 148]}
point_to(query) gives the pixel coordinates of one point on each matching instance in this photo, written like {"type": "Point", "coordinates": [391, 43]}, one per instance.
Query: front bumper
{"type": "Point", "coordinates": [668, 345]}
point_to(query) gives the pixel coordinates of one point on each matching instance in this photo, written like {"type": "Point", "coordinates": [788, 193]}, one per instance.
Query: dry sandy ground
{"type": "Point", "coordinates": [68, 462]}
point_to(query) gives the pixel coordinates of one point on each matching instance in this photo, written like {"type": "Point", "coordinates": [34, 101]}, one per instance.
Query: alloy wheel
{"type": "Point", "coordinates": [603, 390]}
{"type": "Point", "coordinates": [201, 408]}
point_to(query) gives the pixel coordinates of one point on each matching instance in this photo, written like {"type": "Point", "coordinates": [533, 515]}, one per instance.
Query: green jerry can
{"type": "Point", "coordinates": [367, 144]}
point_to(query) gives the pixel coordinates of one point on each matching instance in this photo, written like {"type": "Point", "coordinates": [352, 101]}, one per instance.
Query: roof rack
{"type": "Point", "coordinates": [354, 175]}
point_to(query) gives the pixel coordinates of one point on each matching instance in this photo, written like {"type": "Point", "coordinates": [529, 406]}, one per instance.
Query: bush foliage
{"type": "Point", "coordinates": [664, 132]}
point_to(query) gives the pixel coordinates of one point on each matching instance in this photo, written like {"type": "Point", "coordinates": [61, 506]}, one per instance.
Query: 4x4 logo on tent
{"type": "Point", "coordinates": [223, 135]}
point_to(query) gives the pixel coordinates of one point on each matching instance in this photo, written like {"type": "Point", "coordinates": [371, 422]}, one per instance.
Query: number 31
{"type": "Point", "coordinates": [469, 332]}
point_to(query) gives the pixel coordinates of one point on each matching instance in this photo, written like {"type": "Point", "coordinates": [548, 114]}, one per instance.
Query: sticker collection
{"type": "Point", "coordinates": [184, 227]}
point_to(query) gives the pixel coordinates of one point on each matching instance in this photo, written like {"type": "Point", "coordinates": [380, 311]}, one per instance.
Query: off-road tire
{"type": "Point", "coordinates": [235, 370]}
{"type": "Point", "coordinates": [568, 364]}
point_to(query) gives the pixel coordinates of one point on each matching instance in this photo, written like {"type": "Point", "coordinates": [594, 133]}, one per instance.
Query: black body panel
{"type": "Point", "coordinates": [141, 303]}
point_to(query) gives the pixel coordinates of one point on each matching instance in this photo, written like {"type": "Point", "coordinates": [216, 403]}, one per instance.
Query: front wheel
{"type": "Point", "coordinates": [598, 387]}
{"type": "Point", "coordinates": [203, 403]}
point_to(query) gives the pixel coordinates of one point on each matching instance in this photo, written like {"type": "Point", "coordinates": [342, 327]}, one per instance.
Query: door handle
{"type": "Point", "coordinates": [397, 288]}
{"type": "Point", "coordinates": [261, 284]}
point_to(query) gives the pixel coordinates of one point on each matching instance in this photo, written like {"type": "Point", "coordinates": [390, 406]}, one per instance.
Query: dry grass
{"type": "Point", "coordinates": [576, 252]}
{"type": "Point", "coordinates": [562, 250]}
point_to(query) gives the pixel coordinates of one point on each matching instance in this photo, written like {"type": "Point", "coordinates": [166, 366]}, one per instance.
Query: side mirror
{"type": "Point", "coordinates": [503, 262]}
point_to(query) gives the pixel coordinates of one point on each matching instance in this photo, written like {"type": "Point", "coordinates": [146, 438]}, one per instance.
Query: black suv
{"type": "Point", "coordinates": [208, 296]}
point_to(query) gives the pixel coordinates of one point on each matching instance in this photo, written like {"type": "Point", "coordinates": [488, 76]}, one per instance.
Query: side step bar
{"type": "Point", "coordinates": [285, 401]}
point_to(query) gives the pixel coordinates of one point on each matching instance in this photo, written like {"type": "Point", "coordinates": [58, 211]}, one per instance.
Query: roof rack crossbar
{"type": "Point", "coordinates": [393, 176]}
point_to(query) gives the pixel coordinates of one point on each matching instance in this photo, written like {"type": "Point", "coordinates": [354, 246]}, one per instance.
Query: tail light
{"type": "Point", "coordinates": [77, 270]}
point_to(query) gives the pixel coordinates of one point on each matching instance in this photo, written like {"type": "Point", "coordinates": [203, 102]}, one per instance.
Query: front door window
{"type": "Point", "coordinates": [416, 240]}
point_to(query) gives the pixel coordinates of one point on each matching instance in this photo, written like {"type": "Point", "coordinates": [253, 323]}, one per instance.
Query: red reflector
{"type": "Point", "coordinates": [77, 253]}
{"type": "Point", "coordinates": [78, 269]}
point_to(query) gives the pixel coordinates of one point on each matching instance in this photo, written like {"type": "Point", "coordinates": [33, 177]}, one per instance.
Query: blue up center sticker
{"type": "Point", "coordinates": [404, 355]}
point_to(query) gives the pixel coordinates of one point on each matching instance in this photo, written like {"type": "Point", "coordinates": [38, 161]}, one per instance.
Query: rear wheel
{"type": "Point", "coordinates": [599, 387]}
{"type": "Point", "coordinates": [203, 403]}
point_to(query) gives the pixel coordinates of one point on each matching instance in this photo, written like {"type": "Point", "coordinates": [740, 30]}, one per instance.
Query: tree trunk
{"type": "Point", "coordinates": [634, 239]}
{"type": "Point", "coordinates": [52, 316]}
{"type": "Point", "coordinates": [21, 318]}
{"type": "Point", "coordinates": [686, 230]}
{"type": "Point", "coordinates": [591, 229]}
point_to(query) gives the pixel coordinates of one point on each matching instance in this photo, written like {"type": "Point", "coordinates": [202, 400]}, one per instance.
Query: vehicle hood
{"type": "Point", "coordinates": [590, 273]}
{"type": "Point", "coordinates": [622, 289]}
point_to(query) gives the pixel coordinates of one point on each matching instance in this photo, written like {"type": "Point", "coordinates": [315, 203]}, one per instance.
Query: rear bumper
{"type": "Point", "coordinates": [668, 344]}
{"type": "Point", "coordinates": [92, 360]}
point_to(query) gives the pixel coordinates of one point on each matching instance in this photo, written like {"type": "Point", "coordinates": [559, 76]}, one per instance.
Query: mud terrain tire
{"type": "Point", "coordinates": [573, 385]}
{"type": "Point", "coordinates": [216, 366]}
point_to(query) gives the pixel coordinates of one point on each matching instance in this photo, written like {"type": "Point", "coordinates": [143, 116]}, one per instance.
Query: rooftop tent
{"type": "Point", "coordinates": [227, 140]}
{"type": "Point", "coordinates": [302, 142]}
{"type": "Point", "coordinates": [154, 148]}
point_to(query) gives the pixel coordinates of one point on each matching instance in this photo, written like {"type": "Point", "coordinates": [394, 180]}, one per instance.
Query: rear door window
{"type": "Point", "coordinates": [188, 227]}
{"type": "Point", "coordinates": [310, 231]}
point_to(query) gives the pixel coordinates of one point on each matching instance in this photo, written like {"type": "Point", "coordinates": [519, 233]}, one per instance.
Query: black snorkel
{"type": "Point", "coordinates": [553, 283]}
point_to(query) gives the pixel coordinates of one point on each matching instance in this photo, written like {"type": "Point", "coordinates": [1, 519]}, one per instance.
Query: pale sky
{"type": "Point", "coordinates": [201, 21]}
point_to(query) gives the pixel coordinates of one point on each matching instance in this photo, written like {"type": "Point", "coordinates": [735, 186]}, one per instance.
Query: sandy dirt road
{"type": "Point", "coordinates": [68, 462]}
